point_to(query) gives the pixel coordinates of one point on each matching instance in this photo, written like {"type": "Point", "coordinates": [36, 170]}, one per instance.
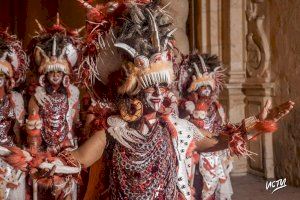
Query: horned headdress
{"type": "Point", "coordinates": [56, 48]}
{"type": "Point", "coordinates": [13, 60]}
{"type": "Point", "coordinates": [199, 70]}
{"type": "Point", "coordinates": [143, 31]}
{"type": "Point", "coordinates": [146, 37]}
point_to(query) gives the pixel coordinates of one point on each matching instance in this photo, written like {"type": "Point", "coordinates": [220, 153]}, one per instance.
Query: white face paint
{"type": "Point", "coordinates": [2, 81]}
{"type": "Point", "coordinates": [154, 96]}
{"type": "Point", "coordinates": [205, 91]}
{"type": "Point", "coordinates": [55, 78]}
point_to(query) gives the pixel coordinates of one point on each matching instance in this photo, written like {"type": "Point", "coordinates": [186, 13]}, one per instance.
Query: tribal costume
{"type": "Point", "coordinates": [7, 116]}
{"type": "Point", "coordinates": [55, 51]}
{"type": "Point", "coordinates": [201, 82]}
{"type": "Point", "coordinates": [138, 172]}
{"type": "Point", "coordinates": [54, 106]}
{"type": "Point", "coordinates": [147, 157]}
{"type": "Point", "coordinates": [13, 66]}
{"type": "Point", "coordinates": [53, 114]}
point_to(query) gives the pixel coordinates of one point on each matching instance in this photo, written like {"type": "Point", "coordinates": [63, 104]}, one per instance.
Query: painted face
{"type": "Point", "coordinates": [155, 95]}
{"type": "Point", "coordinates": [2, 80]}
{"type": "Point", "coordinates": [204, 91]}
{"type": "Point", "coordinates": [55, 77]}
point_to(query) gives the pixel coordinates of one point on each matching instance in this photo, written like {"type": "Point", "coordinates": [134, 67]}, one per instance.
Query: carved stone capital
{"type": "Point", "coordinates": [257, 43]}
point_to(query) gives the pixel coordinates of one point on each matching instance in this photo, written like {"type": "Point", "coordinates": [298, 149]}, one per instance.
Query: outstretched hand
{"type": "Point", "coordinates": [276, 113]}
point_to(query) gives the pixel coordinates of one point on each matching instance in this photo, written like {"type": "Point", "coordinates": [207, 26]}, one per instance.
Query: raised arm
{"type": "Point", "coordinates": [91, 150]}
{"type": "Point", "coordinates": [253, 126]}
{"type": "Point", "coordinates": [210, 144]}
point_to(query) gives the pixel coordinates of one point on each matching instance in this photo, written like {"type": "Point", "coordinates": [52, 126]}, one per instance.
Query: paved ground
{"type": "Point", "coordinates": [253, 188]}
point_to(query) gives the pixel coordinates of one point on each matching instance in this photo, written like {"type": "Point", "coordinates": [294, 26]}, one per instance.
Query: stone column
{"type": "Point", "coordinates": [207, 25]}
{"type": "Point", "coordinates": [233, 53]}
{"type": "Point", "coordinates": [214, 30]}
{"type": "Point", "coordinates": [258, 87]}
{"type": "Point", "coordinates": [257, 95]}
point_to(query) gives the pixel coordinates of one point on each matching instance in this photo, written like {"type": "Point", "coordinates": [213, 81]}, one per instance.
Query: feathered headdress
{"type": "Point", "coordinates": [56, 48]}
{"type": "Point", "coordinates": [146, 37]}
{"type": "Point", "coordinates": [13, 60]}
{"type": "Point", "coordinates": [98, 52]}
{"type": "Point", "coordinates": [142, 29]}
{"type": "Point", "coordinates": [199, 70]}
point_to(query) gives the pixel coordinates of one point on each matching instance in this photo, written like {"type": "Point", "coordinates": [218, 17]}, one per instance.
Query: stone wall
{"type": "Point", "coordinates": [285, 61]}
{"type": "Point", "coordinates": [179, 10]}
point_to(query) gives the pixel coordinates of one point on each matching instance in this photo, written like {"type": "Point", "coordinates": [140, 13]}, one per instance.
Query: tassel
{"type": "Point", "coordinates": [266, 126]}
{"type": "Point", "coordinates": [16, 159]}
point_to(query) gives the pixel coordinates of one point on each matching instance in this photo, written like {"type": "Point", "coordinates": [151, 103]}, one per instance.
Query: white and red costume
{"type": "Point", "coordinates": [13, 67]}
{"type": "Point", "coordinates": [202, 109]}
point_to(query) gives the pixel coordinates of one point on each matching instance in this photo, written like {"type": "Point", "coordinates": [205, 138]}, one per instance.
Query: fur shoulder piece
{"type": "Point", "coordinates": [119, 130]}
{"type": "Point", "coordinates": [73, 101]}
{"type": "Point", "coordinates": [74, 94]}
{"type": "Point", "coordinates": [18, 104]}
{"type": "Point", "coordinates": [41, 95]}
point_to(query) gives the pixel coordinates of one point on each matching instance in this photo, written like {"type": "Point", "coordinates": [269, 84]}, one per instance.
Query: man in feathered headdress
{"type": "Point", "coordinates": [56, 100]}
{"type": "Point", "coordinates": [54, 107]}
{"type": "Point", "coordinates": [201, 80]}
{"type": "Point", "coordinates": [13, 66]}
{"type": "Point", "coordinates": [140, 98]}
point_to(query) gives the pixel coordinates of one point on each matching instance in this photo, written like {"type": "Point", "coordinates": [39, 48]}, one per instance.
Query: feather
{"type": "Point", "coordinates": [129, 85]}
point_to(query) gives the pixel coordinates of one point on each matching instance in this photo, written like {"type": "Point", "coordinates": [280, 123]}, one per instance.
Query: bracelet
{"type": "Point", "coordinates": [68, 159]}
{"type": "Point", "coordinates": [249, 123]}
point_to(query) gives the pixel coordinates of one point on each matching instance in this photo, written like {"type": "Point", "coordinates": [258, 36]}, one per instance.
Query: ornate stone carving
{"type": "Point", "coordinates": [258, 49]}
